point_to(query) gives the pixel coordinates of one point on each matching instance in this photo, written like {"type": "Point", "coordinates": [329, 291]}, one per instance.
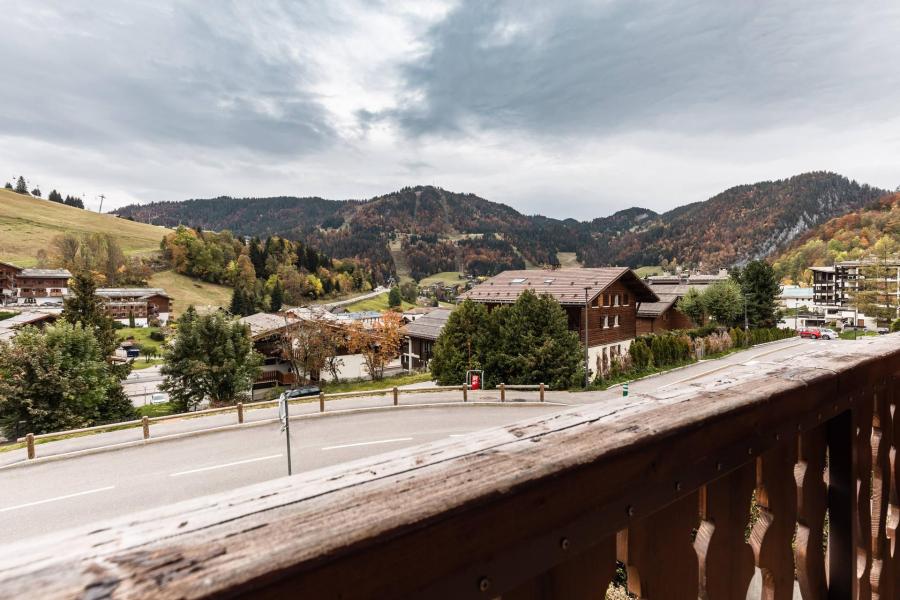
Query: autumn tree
{"type": "Point", "coordinates": [311, 345]}
{"type": "Point", "coordinates": [378, 344]}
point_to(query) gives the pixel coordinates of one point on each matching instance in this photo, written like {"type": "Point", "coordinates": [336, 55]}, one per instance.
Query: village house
{"type": "Point", "coordinates": [664, 315]}
{"type": "Point", "coordinates": [144, 305]}
{"type": "Point", "coordinates": [610, 296]}
{"type": "Point", "coordinates": [420, 336]}
{"type": "Point", "coordinates": [41, 286]}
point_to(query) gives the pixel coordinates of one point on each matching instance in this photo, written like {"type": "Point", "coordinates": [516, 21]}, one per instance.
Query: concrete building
{"type": "Point", "coordinates": [609, 296]}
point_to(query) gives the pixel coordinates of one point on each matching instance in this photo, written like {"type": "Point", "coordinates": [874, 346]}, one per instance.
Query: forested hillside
{"type": "Point", "coordinates": [441, 230]}
{"type": "Point", "coordinates": [859, 234]}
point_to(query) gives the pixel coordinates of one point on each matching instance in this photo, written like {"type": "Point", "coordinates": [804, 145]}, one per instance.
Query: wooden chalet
{"type": "Point", "coordinates": [420, 337]}
{"type": "Point", "coordinates": [610, 296]}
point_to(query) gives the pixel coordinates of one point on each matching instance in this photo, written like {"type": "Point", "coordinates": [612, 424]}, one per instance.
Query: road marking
{"type": "Point", "coordinates": [778, 349]}
{"type": "Point", "coordinates": [390, 441]}
{"type": "Point", "coordinates": [231, 464]}
{"type": "Point", "coordinates": [84, 493]}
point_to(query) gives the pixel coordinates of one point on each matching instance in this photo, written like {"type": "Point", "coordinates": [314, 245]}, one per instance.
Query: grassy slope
{"type": "Point", "coordinates": [447, 277]}
{"type": "Point", "coordinates": [646, 271]}
{"type": "Point", "coordinates": [28, 224]}
{"type": "Point", "coordinates": [186, 291]}
{"type": "Point", "coordinates": [378, 303]}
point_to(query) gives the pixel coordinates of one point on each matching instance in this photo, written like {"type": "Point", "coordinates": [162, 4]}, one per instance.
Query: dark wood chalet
{"type": "Point", "coordinates": [421, 334]}
{"type": "Point", "coordinates": [611, 297]}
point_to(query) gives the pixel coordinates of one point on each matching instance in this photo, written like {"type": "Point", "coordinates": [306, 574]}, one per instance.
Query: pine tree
{"type": "Point", "coordinates": [276, 300]}
{"type": "Point", "coordinates": [21, 186]}
{"type": "Point", "coordinates": [760, 287]}
{"type": "Point", "coordinates": [7, 186]}
{"type": "Point", "coordinates": [55, 196]}
{"type": "Point", "coordinates": [85, 307]}
{"type": "Point", "coordinates": [394, 299]}
{"type": "Point", "coordinates": [36, 192]}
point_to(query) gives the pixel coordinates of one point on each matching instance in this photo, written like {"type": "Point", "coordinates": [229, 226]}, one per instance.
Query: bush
{"type": "Point", "coordinates": [895, 326]}
{"type": "Point", "coordinates": [157, 336]}
{"type": "Point", "coordinates": [641, 356]}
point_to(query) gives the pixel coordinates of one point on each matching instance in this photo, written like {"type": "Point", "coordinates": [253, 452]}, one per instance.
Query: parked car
{"type": "Point", "coordinates": [819, 333]}
{"type": "Point", "coordinates": [159, 398]}
{"type": "Point", "coordinates": [883, 331]}
{"type": "Point", "coordinates": [301, 392]}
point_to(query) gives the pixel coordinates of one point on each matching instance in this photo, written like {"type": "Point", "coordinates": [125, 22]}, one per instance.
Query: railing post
{"type": "Point", "coordinates": [145, 424]}
{"type": "Point", "coordinates": [29, 443]}
{"type": "Point", "coordinates": [542, 392]}
{"type": "Point", "coordinates": [240, 412]}
{"type": "Point", "coordinates": [841, 559]}
{"type": "Point", "coordinates": [321, 401]}
{"type": "Point", "coordinates": [396, 396]}
{"type": "Point", "coordinates": [502, 392]}
{"type": "Point", "coordinates": [465, 389]}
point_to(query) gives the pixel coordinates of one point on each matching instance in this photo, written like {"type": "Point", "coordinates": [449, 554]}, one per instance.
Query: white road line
{"type": "Point", "coordinates": [390, 441]}
{"type": "Point", "coordinates": [697, 376]}
{"type": "Point", "coordinates": [231, 464]}
{"type": "Point", "coordinates": [84, 493]}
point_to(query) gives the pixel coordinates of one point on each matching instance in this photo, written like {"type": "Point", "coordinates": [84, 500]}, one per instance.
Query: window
{"type": "Point", "coordinates": [518, 280]}
{"type": "Point", "coordinates": [624, 299]}
{"type": "Point", "coordinates": [616, 301]}
{"type": "Point", "coordinates": [615, 320]}
{"type": "Point", "coordinates": [596, 302]}
{"type": "Point", "coordinates": [605, 321]}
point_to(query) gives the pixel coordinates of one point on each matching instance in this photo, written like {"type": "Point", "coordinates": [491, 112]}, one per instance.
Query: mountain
{"type": "Point", "coordinates": [738, 225]}
{"type": "Point", "coordinates": [858, 234]}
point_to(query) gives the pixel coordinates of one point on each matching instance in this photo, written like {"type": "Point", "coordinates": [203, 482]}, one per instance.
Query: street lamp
{"type": "Point", "coordinates": [587, 365]}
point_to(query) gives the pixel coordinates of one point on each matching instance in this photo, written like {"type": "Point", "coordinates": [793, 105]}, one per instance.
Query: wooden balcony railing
{"type": "Point", "coordinates": [785, 466]}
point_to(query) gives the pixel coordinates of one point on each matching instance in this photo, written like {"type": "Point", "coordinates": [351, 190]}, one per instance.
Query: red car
{"type": "Point", "coordinates": [818, 334]}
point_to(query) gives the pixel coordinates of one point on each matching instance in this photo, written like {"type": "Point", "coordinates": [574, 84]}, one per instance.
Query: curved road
{"type": "Point", "coordinates": [43, 497]}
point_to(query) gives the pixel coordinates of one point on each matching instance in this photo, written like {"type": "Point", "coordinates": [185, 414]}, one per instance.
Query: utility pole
{"type": "Point", "coordinates": [102, 198]}
{"type": "Point", "coordinates": [587, 365]}
{"type": "Point", "coordinates": [746, 322]}
{"type": "Point", "coordinates": [284, 415]}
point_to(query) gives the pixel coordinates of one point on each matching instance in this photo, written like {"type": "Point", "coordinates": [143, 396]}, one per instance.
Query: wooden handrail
{"type": "Point", "coordinates": [544, 507]}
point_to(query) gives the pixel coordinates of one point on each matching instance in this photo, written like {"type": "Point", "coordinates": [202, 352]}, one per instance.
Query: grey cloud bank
{"type": "Point", "coordinates": [568, 109]}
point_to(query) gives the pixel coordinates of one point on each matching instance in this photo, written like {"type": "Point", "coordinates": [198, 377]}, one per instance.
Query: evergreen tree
{"type": "Point", "coordinates": [21, 186]}
{"type": "Point", "coordinates": [7, 186]}
{"type": "Point", "coordinates": [36, 192]}
{"type": "Point", "coordinates": [760, 287]}
{"type": "Point", "coordinates": [73, 201]}
{"type": "Point", "coordinates": [211, 358]}
{"type": "Point", "coordinates": [462, 344]}
{"type": "Point", "coordinates": [394, 299]}
{"type": "Point", "coordinates": [85, 307]}
{"type": "Point", "coordinates": [55, 196]}
{"type": "Point", "coordinates": [276, 299]}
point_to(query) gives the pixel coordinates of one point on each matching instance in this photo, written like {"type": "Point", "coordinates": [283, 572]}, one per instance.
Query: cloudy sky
{"type": "Point", "coordinates": [566, 108]}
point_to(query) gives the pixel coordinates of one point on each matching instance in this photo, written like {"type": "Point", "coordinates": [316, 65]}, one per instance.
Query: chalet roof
{"type": "Point", "coordinates": [655, 309]}
{"type": "Point", "coordinates": [566, 286]}
{"type": "Point", "coordinates": [131, 292]}
{"type": "Point", "coordinates": [26, 318]}
{"type": "Point", "coordinates": [46, 273]}
{"type": "Point", "coordinates": [6, 264]}
{"type": "Point", "coordinates": [263, 324]}
{"type": "Point", "coordinates": [429, 326]}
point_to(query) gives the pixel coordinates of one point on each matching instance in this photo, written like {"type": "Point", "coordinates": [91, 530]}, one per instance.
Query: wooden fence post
{"type": "Point", "coordinates": [240, 412]}
{"type": "Point", "coordinates": [29, 442]}
{"type": "Point", "coordinates": [502, 392]}
{"type": "Point", "coordinates": [465, 389]}
{"type": "Point", "coordinates": [321, 401]}
{"type": "Point", "coordinates": [145, 424]}
{"type": "Point", "coordinates": [396, 396]}
{"type": "Point", "coordinates": [542, 392]}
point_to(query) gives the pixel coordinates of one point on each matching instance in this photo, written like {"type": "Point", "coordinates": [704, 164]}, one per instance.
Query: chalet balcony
{"type": "Point", "coordinates": [669, 484]}
{"type": "Point", "coordinates": [275, 378]}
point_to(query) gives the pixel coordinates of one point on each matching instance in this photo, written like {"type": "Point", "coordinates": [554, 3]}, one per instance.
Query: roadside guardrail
{"type": "Point", "coordinates": [240, 407]}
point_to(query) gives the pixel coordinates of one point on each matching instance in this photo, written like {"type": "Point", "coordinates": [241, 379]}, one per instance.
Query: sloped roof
{"type": "Point", "coordinates": [429, 327]}
{"type": "Point", "coordinates": [26, 318]}
{"type": "Point", "coordinates": [566, 286]}
{"type": "Point", "coordinates": [654, 309]}
{"type": "Point", "coordinates": [131, 292]}
{"type": "Point", "coordinates": [262, 324]}
{"type": "Point", "coordinates": [52, 273]}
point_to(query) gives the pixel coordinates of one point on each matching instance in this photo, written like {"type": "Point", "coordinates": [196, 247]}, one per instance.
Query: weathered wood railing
{"type": "Point", "coordinates": [786, 466]}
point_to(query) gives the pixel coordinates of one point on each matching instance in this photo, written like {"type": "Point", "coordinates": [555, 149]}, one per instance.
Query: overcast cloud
{"type": "Point", "coordinates": [567, 109]}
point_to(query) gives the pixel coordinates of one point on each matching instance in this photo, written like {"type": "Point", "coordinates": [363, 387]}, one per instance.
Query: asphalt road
{"type": "Point", "coordinates": [44, 497]}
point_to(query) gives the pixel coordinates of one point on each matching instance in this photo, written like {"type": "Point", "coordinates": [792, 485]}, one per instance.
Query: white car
{"type": "Point", "coordinates": [160, 398]}
{"type": "Point", "coordinates": [828, 334]}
